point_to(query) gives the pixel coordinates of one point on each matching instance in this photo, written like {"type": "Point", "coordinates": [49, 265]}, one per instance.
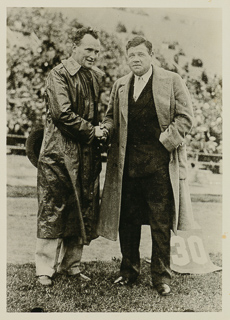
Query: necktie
{"type": "Point", "coordinates": [138, 87]}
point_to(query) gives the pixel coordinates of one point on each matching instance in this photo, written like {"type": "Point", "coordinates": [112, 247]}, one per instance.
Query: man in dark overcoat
{"type": "Point", "coordinates": [148, 116]}
{"type": "Point", "coordinates": [69, 163]}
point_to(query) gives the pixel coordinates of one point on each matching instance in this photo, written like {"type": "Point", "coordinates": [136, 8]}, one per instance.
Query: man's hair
{"type": "Point", "coordinates": [80, 33]}
{"type": "Point", "coordinates": [136, 41]}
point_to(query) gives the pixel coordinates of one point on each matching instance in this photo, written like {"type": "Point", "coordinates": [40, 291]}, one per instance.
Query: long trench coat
{"type": "Point", "coordinates": [175, 115]}
{"type": "Point", "coordinates": [69, 163]}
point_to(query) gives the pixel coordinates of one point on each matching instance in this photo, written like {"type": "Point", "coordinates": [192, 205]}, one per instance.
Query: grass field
{"type": "Point", "coordinates": [199, 293]}
{"type": "Point", "coordinates": [101, 260]}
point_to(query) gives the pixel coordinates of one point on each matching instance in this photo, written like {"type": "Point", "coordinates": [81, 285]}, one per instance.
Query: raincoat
{"type": "Point", "coordinates": [70, 162]}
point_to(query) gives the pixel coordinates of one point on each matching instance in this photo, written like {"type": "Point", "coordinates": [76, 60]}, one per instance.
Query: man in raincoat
{"type": "Point", "coordinates": [69, 163]}
{"type": "Point", "coordinates": [148, 116]}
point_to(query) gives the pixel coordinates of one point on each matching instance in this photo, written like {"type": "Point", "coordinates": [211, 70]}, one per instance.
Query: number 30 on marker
{"type": "Point", "coordinates": [186, 250]}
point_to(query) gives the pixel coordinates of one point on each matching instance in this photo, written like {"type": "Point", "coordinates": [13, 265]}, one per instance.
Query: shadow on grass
{"type": "Point", "coordinates": [199, 293]}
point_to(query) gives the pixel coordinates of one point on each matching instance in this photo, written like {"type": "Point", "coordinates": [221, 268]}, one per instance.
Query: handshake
{"type": "Point", "coordinates": [101, 133]}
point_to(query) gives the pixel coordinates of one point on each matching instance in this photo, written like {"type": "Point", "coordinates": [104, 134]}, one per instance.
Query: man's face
{"type": "Point", "coordinates": [139, 59]}
{"type": "Point", "coordinates": [87, 51]}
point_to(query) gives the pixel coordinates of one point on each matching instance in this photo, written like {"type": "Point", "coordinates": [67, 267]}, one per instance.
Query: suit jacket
{"type": "Point", "coordinates": [175, 116]}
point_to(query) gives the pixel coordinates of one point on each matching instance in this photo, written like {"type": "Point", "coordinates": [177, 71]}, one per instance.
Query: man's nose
{"type": "Point", "coordinates": [93, 55]}
{"type": "Point", "coordinates": [136, 58]}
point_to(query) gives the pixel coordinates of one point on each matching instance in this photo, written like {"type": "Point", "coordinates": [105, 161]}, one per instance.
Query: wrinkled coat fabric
{"type": "Point", "coordinates": [175, 116]}
{"type": "Point", "coordinates": [69, 162]}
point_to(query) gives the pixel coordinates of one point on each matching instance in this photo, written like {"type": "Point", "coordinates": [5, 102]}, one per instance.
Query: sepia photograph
{"type": "Point", "coordinates": [114, 159]}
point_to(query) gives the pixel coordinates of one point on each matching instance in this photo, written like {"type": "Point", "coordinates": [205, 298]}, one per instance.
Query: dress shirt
{"type": "Point", "coordinates": [140, 82]}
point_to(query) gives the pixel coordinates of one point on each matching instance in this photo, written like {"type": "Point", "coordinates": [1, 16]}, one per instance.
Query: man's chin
{"type": "Point", "coordinates": [137, 72]}
{"type": "Point", "coordinates": [89, 65]}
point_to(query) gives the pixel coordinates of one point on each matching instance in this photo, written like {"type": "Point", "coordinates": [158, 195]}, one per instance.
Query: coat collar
{"type": "Point", "coordinates": [72, 66]}
{"type": "Point", "coordinates": [159, 76]}
{"type": "Point", "coordinates": [158, 73]}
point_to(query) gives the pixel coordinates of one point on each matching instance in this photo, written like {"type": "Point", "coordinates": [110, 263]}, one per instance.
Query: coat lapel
{"type": "Point", "coordinates": [124, 95]}
{"type": "Point", "coordinates": [161, 95]}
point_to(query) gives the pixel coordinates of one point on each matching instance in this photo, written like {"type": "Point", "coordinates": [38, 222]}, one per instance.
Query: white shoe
{"type": "Point", "coordinates": [45, 280]}
{"type": "Point", "coordinates": [84, 277]}
{"type": "Point", "coordinates": [79, 275]}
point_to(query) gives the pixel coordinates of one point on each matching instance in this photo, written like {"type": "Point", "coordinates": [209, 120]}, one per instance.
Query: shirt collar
{"type": "Point", "coordinates": [145, 76]}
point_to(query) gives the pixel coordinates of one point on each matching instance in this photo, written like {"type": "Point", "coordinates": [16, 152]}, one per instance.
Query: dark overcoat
{"type": "Point", "coordinates": [69, 163]}
{"type": "Point", "coordinates": [175, 115]}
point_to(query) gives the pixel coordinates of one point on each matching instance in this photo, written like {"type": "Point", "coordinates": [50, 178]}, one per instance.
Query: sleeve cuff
{"type": "Point", "coordinates": [166, 142]}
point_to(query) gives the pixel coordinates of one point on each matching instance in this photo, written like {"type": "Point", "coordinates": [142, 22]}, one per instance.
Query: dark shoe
{"type": "Point", "coordinates": [124, 281]}
{"type": "Point", "coordinates": [62, 272]}
{"type": "Point", "coordinates": [163, 289]}
{"type": "Point", "coordinates": [45, 280]}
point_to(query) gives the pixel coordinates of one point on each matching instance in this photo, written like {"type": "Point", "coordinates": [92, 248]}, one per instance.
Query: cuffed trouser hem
{"type": "Point", "coordinates": [73, 271]}
{"type": "Point", "coordinates": [57, 255]}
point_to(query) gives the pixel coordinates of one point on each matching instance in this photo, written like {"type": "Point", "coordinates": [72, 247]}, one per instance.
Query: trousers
{"type": "Point", "coordinates": [57, 255]}
{"type": "Point", "coordinates": [146, 200]}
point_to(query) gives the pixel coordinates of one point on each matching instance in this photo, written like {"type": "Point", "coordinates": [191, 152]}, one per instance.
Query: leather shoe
{"type": "Point", "coordinates": [124, 281]}
{"type": "Point", "coordinates": [84, 277]}
{"type": "Point", "coordinates": [80, 276]}
{"type": "Point", "coordinates": [45, 280]}
{"type": "Point", "coordinates": [163, 289]}
{"type": "Point", "coordinates": [75, 275]}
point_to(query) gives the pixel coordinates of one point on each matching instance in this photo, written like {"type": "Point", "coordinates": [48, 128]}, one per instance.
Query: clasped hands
{"type": "Point", "coordinates": [101, 133]}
